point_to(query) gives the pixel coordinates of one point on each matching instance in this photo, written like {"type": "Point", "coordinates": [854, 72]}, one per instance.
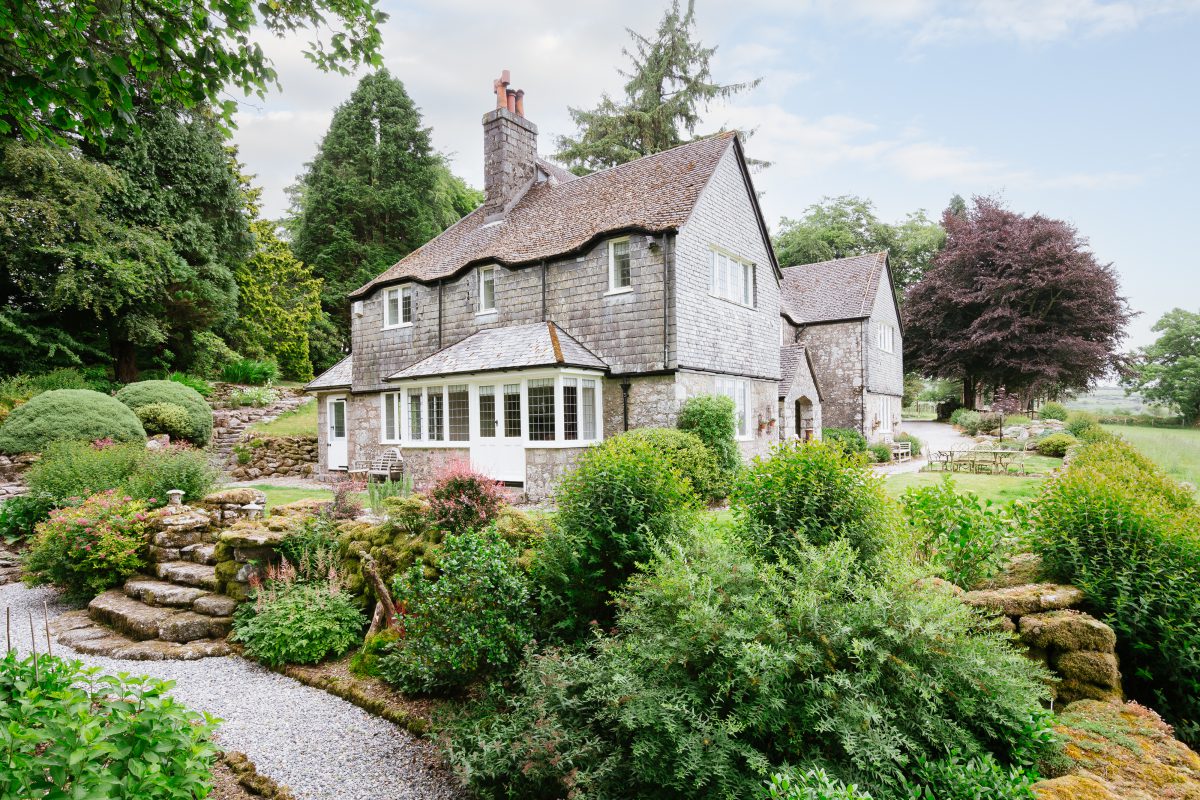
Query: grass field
{"type": "Point", "coordinates": [997, 488]}
{"type": "Point", "coordinates": [301, 421]}
{"type": "Point", "coordinates": [282, 495]}
{"type": "Point", "coordinates": [1174, 449]}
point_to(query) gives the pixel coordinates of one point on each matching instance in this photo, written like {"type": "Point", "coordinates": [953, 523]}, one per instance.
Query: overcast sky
{"type": "Point", "coordinates": [1079, 109]}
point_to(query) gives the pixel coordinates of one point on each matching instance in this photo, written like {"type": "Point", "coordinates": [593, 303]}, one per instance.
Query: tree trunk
{"type": "Point", "coordinates": [125, 361]}
{"type": "Point", "coordinates": [969, 391]}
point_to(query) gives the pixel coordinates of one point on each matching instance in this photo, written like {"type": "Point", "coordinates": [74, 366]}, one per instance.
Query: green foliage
{"type": "Point", "coordinates": [407, 535]}
{"type": "Point", "coordinates": [71, 415]}
{"type": "Point", "coordinates": [979, 777]}
{"type": "Point", "coordinates": [813, 493]}
{"type": "Point", "coordinates": [851, 441]}
{"type": "Point", "coordinates": [964, 539]}
{"type": "Point", "coordinates": [711, 417]}
{"type": "Point", "coordinates": [375, 191]}
{"type": "Point", "coordinates": [462, 499]}
{"type": "Point", "coordinates": [297, 623]}
{"type": "Point", "coordinates": [623, 497]}
{"type": "Point", "coordinates": [20, 515]}
{"type": "Point", "coordinates": [210, 356]}
{"type": "Point", "coordinates": [257, 396]}
{"type": "Point", "coordinates": [688, 454]}
{"type": "Point", "coordinates": [914, 443]}
{"type": "Point", "coordinates": [91, 547]}
{"type": "Point", "coordinates": [168, 418]}
{"type": "Point", "coordinates": [970, 421]}
{"type": "Point", "coordinates": [723, 666]}
{"type": "Point", "coordinates": [278, 301]}
{"type": "Point", "coordinates": [199, 415]}
{"type": "Point", "coordinates": [378, 492]}
{"type": "Point", "coordinates": [1168, 371]}
{"type": "Point", "coordinates": [1053, 410]}
{"type": "Point", "coordinates": [1056, 445]}
{"type": "Point", "coordinates": [312, 546]}
{"type": "Point", "coordinates": [813, 784]}
{"type": "Point", "coordinates": [471, 621]}
{"type": "Point", "coordinates": [73, 732]}
{"type": "Point", "coordinates": [248, 371]}
{"type": "Point", "coordinates": [365, 661]}
{"type": "Point", "coordinates": [198, 385]}
{"type": "Point", "coordinates": [956, 416]}
{"type": "Point", "coordinates": [174, 467]}
{"type": "Point", "coordinates": [1125, 533]}
{"type": "Point", "coordinates": [668, 89]}
{"type": "Point", "coordinates": [881, 453]}
{"type": "Point", "coordinates": [1081, 423]}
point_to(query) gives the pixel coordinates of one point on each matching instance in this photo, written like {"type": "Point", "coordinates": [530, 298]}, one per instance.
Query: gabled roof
{"type": "Point", "coordinates": [833, 291]}
{"type": "Point", "coordinates": [796, 369]}
{"type": "Point", "coordinates": [539, 344]}
{"type": "Point", "coordinates": [336, 377]}
{"type": "Point", "coordinates": [654, 194]}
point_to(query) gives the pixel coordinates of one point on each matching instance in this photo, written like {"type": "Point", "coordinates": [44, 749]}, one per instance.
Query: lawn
{"type": "Point", "coordinates": [301, 421]}
{"type": "Point", "coordinates": [1177, 450]}
{"type": "Point", "coordinates": [282, 495]}
{"type": "Point", "coordinates": [997, 488]}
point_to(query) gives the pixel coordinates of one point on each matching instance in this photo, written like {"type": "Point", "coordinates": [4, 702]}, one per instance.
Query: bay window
{"type": "Point", "coordinates": [541, 410]}
{"type": "Point", "coordinates": [460, 414]}
{"type": "Point", "coordinates": [436, 413]}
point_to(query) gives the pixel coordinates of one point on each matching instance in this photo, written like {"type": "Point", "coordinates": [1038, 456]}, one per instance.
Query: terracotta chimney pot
{"type": "Point", "coordinates": [512, 100]}
{"type": "Point", "coordinates": [520, 102]}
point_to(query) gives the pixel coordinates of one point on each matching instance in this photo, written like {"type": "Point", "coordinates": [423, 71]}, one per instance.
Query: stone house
{"type": "Point", "coordinates": [844, 315]}
{"type": "Point", "coordinates": [568, 309]}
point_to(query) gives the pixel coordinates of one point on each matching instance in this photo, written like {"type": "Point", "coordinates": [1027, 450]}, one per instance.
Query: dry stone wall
{"type": "Point", "coordinates": [275, 456]}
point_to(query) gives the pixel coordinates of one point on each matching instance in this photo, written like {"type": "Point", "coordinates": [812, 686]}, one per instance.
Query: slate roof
{"type": "Point", "coordinates": [540, 344]}
{"type": "Point", "coordinates": [654, 194]}
{"type": "Point", "coordinates": [336, 377]}
{"type": "Point", "coordinates": [831, 291]}
{"type": "Point", "coordinates": [797, 371]}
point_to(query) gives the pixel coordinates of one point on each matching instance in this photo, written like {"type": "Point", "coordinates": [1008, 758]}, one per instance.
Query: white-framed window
{"type": "Point", "coordinates": [398, 307]}
{"type": "Point", "coordinates": [730, 278]}
{"type": "Point", "coordinates": [737, 390]}
{"type": "Point", "coordinates": [390, 416]}
{"type": "Point", "coordinates": [487, 289]}
{"type": "Point", "coordinates": [885, 337]}
{"type": "Point", "coordinates": [886, 410]}
{"type": "Point", "coordinates": [620, 271]}
{"type": "Point", "coordinates": [416, 415]}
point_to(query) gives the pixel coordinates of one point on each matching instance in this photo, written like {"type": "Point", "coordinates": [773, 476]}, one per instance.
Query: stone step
{"type": "Point", "coordinates": [200, 553]}
{"type": "Point", "coordinates": [188, 626]}
{"type": "Point", "coordinates": [203, 576]}
{"type": "Point", "coordinates": [160, 593]}
{"type": "Point", "coordinates": [127, 616]}
{"type": "Point", "coordinates": [77, 630]}
{"type": "Point", "coordinates": [215, 605]}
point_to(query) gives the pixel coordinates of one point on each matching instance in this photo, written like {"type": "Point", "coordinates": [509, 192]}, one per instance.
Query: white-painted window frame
{"type": "Point", "coordinates": [737, 286]}
{"type": "Point", "coordinates": [488, 272]}
{"type": "Point", "coordinates": [740, 392]}
{"type": "Point", "coordinates": [886, 337]}
{"type": "Point", "coordinates": [613, 288]}
{"type": "Point", "coordinates": [399, 292]}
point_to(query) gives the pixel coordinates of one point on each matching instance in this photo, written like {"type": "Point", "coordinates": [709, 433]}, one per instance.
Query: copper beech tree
{"type": "Point", "coordinates": [1015, 301]}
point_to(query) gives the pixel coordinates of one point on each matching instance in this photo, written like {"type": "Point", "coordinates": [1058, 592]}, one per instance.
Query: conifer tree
{"type": "Point", "coordinates": [667, 87]}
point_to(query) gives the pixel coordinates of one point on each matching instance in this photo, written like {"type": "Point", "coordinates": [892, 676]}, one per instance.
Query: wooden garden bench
{"type": "Point", "coordinates": [901, 451]}
{"type": "Point", "coordinates": [383, 465]}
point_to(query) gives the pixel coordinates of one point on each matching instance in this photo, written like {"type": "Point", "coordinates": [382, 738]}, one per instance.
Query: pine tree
{"type": "Point", "coordinates": [375, 192]}
{"type": "Point", "coordinates": [668, 86]}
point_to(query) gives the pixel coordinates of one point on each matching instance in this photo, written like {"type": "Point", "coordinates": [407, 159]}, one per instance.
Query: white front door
{"type": "Point", "coordinates": [337, 455]}
{"type": "Point", "coordinates": [498, 448]}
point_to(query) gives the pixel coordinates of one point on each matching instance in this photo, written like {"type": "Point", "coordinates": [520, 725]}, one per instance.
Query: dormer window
{"type": "Point", "coordinates": [620, 274]}
{"type": "Point", "coordinates": [398, 307]}
{"type": "Point", "coordinates": [487, 289]}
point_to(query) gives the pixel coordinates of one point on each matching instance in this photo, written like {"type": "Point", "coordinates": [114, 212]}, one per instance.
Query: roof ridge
{"type": "Point", "coordinates": [692, 143]}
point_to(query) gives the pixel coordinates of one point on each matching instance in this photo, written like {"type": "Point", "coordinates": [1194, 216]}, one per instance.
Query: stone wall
{"type": "Point", "coordinates": [274, 456]}
{"type": "Point", "coordinates": [544, 467]}
{"type": "Point", "coordinates": [12, 473]}
{"type": "Point", "coordinates": [837, 356]}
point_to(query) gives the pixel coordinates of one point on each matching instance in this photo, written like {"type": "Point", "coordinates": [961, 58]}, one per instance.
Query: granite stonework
{"type": "Point", "coordinates": [837, 356]}
{"type": "Point", "coordinates": [274, 457]}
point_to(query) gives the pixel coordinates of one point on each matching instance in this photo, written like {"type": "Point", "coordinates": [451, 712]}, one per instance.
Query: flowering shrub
{"type": "Point", "coordinates": [464, 500]}
{"type": "Point", "coordinates": [91, 547]}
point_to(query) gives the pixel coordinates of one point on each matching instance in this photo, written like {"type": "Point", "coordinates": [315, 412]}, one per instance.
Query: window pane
{"type": "Point", "coordinates": [487, 411]}
{"type": "Point", "coordinates": [570, 409]}
{"type": "Point", "coordinates": [712, 270]}
{"type": "Point", "coordinates": [389, 417]}
{"type": "Point", "coordinates": [748, 284]}
{"type": "Point", "coordinates": [620, 265]}
{"type": "Point", "coordinates": [414, 414]}
{"type": "Point", "coordinates": [512, 410]}
{"type": "Point", "coordinates": [393, 307]}
{"type": "Point", "coordinates": [541, 410]}
{"type": "Point", "coordinates": [487, 288]}
{"type": "Point", "coordinates": [460, 413]}
{"type": "Point", "coordinates": [437, 413]}
{"type": "Point", "coordinates": [744, 410]}
{"type": "Point", "coordinates": [406, 305]}
{"type": "Point", "coordinates": [337, 422]}
{"type": "Point", "coordinates": [735, 284]}
{"type": "Point", "coordinates": [588, 410]}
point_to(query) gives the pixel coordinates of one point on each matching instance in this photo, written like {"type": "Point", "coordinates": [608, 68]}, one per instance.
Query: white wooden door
{"type": "Point", "coordinates": [498, 444]}
{"type": "Point", "coordinates": [336, 448]}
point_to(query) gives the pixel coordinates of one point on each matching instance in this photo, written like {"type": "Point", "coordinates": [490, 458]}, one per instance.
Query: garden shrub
{"type": "Point", "coordinates": [173, 467]}
{"type": "Point", "coordinates": [77, 469]}
{"type": "Point", "coordinates": [295, 622]}
{"type": "Point", "coordinates": [813, 493]}
{"type": "Point", "coordinates": [462, 499]}
{"type": "Point", "coordinates": [167, 418]}
{"type": "Point", "coordinates": [956, 416]}
{"type": "Point", "coordinates": [914, 443]}
{"type": "Point", "coordinates": [689, 455]}
{"type": "Point", "coordinates": [379, 491]}
{"type": "Point", "coordinates": [1080, 423]}
{"type": "Point", "coordinates": [210, 355]}
{"type": "Point", "coordinates": [91, 547]}
{"type": "Point", "coordinates": [248, 371]}
{"type": "Point", "coordinates": [312, 546]}
{"type": "Point", "coordinates": [199, 385]}
{"type": "Point", "coordinates": [471, 621]}
{"type": "Point", "coordinates": [851, 440]}
{"type": "Point", "coordinates": [958, 778]}
{"type": "Point", "coordinates": [723, 666]}
{"type": "Point", "coordinates": [622, 498]}
{"type": "Point", "coordinates": [965, 540]}
{"type": "Point", "coordinates": [79, 733]}
{"type": "Point", "coordinates": [969, 421]}
{"type": "Point", "coordinates": [1125, 533]}
{"type": "Point", "coordinates": [68, 414]}
{"type": "Point", "coordinates": [881, 453]}
{"type": "Point", "coordinates": [20, 515]}
{"type": "Point", "coordinates": [406, 536]}
{"type": "Point", "coordinates": [200, 416]}
{"type": "Point", "coordinates": [1056, 445]}
{"type": "Point", "coordinates": [711, 417]}
{"type": "Point", "coordinates": [989, 422]}
{"type": "Point", "coordinates": [813, 784]}
{"type": "Point", "coordinates": [1053, 410]}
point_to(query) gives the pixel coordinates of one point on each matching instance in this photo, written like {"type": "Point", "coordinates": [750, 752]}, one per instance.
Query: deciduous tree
{"type": "Point", "coordinates": [1016, 301]}
{"type": "Point", "coordinates": [1168, 371]}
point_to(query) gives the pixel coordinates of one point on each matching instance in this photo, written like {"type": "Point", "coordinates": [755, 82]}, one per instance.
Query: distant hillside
{"type": "Point", "coordinates": [1114, 400]}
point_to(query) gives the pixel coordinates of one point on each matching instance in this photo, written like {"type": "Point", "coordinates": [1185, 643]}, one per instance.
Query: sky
{"type": "Point", "coordinates": [1085, 110]}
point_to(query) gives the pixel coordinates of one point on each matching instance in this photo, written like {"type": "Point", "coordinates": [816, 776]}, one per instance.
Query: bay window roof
{"type": "Point", "coordinates": [539, 344]}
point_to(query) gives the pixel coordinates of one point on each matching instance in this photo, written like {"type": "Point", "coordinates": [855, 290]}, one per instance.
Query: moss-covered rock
{"type": "Point", "coordinates": [1089, 666]}
{"type": "Point", "coordinates": [1066, 631]}
{"type": "Point", "coordinates": [1017, 601]}
{"type": "Point", "coordinates": [1073, 787]}
{"type": "Point", "coordinates": [239, 497]}
{"type": "Point", "coordinates": [1022, 569]}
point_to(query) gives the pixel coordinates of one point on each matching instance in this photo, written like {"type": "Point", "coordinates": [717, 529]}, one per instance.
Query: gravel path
{"type": "Point", "coordinates": [320, 746]}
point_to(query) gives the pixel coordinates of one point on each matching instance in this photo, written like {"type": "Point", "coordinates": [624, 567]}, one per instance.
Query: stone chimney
{"type": "Point", "coordinates": [509, 149]}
